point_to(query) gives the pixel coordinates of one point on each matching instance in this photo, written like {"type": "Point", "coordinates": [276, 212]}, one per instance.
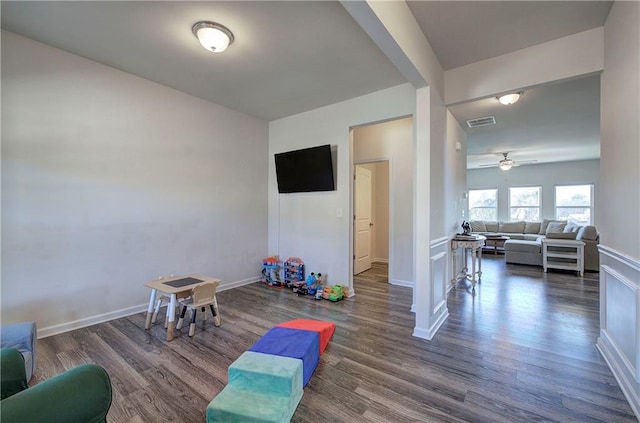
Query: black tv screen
{"type": "Point", "coordinates": [307, 170]}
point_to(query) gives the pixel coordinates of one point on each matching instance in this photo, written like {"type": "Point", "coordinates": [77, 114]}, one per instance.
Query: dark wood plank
{"type": "Point", "coordinates": [521, 348]}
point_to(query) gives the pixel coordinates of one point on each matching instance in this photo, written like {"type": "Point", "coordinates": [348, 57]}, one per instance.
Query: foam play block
{"type": "Point", "coordinates": [266, 373]}
{"type": "Point", "coordinates": [324, 329]}
{"type": "Point", "coordinates": [294, 343]}
{"type": "Point", "coordinates": [233, 405]}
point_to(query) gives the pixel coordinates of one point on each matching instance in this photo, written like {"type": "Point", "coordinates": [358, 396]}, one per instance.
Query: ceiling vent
{"type": "Point", "coordinates": [483, 121]}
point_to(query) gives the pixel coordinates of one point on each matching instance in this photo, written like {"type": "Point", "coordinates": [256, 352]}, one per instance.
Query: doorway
{"type": "Point", "coordinates": [386, 148]}
{"type": "Point", "coordinates": [371, 215]}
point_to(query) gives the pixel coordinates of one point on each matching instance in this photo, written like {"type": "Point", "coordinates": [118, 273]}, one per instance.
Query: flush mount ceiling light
{"type": "Point", "coordinates": [511, 98]}
{"type": "Point", "coordinates": [213, 36]}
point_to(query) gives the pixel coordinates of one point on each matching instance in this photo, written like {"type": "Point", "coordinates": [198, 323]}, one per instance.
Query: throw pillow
{"type": "Point", "coordinates": [556, 227]}
{"type": "Point", "coordinates": [571, 228]}
{"type": "Point", "coordinates": [478, 226]}
{"type": "Point", "coordinates": [561, 235]}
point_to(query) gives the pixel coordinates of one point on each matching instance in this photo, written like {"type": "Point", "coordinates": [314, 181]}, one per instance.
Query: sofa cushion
{"type": "Point", "coordinates": [523, 246]}
{"type": "Point", "coordinates": [478, 226]}
{"type": "Point", "coordinates": [491, 226]}
{"type": "Point", "coordinates": [555, 227]}
{"type": "Point", "coordinates": [561, 235]}
{"type": "Point", "coordinates": [532, 237]}
{"type": "Point", "coordinates": [512, 227]}
{"type": "Point", "coordinates": [588, 233]}
{"type": "Point", "coordinates": [531, 227]}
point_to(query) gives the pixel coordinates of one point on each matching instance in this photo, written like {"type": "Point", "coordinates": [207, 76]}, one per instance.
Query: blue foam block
{"type": "Point", "coordinates": [294, 343]}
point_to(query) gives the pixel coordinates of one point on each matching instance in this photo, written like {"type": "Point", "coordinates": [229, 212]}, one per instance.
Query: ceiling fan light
{"type": "Point", "coordinates": [511, 98]}
{"type": "Point", "coordinates": [506, 164]}
{"type": "Point", "coordinates": [212, 36]}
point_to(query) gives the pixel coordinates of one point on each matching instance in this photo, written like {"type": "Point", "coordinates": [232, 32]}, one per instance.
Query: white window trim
{"type": "Point", "coordinates": [483, 189]}
{"type": "Point", "coordinates": [591, 207]}
{"type": "Point", "coordinates": [539, 207]}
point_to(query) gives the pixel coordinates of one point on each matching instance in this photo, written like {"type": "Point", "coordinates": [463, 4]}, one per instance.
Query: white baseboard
{"type": "Point", "coordinates": [400, 282]}
{"type": "Point", "coordinates": [224, 286]}
{"type": "Point", "coordinates": [124, 312]}
{"type": "Point", "coordinates": [428, 334]}
{"type": "Point", "coordinates": [89, 321]}
{"type": "Point", "coordinates": [379, 260]}
{"type": "Point", "coordinates": [624, 378]}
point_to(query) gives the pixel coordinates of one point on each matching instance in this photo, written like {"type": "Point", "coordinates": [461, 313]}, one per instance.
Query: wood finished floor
{"type": "Point", "coordinates": [521, 349]}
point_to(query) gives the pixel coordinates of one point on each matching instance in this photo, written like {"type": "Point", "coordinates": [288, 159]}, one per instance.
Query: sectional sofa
{"type": "Point", "coordinates": [525, 243]}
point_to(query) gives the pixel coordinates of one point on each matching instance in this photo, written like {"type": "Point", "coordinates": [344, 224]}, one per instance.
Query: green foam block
{"type": "Point", "coordinates": [262, 388]}
{"type": "Point", "coordinates": [266, 373]}
{"type": "Point", "coordinates": [241, 406]}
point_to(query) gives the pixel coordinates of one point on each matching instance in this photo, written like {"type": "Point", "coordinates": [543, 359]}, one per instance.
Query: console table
{"type": "Point", "coordinates": [475, 245]}
{"type": "Point", "coordinates": [569, 257]}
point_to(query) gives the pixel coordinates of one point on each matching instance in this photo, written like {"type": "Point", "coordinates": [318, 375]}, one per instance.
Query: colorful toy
{"type": "Point", "coordinates": [333, 293]}
{"type": "Point", "coordinates": [293, 272]}
{"type": "Point", "coordinates": [314, 282]}
{"type": "Point", "coordinates": [266, 383]}
{"type": "Point", "coordinates": [271, 272]}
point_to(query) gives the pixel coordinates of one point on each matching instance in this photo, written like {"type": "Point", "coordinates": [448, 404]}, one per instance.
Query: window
{"type": "Point", "coordinates": [575, 202]}
{"type": "Point", "coordinates": [483, 204]}
{"type": "Point", "coordinates": [524, 203]}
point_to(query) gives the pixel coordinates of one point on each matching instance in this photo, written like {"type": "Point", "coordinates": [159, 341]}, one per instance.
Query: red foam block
{"type": "Point", "coordinates": [325, 329]}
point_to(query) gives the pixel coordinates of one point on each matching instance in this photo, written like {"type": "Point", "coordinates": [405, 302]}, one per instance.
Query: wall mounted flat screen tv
{"type": "Point", "coordinates": [307, 170]}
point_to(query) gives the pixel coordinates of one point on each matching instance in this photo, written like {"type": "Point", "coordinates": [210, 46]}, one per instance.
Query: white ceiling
{"type": "Point", "coordinates": [287, 57]}
{"type": "Point", "coordinates": [555, 122]}
{"type": "Point", "coordinates": [463, 32]}
{"type": "Point", "coordinates": [290, 57]}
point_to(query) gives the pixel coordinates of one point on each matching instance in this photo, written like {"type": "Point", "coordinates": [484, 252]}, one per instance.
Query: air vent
{"type": "Point", "coordinates": [483, 121]}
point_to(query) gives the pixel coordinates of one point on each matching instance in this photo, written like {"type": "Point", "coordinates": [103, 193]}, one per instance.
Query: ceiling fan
{"type": "Point", "coordinates": [506, 163]}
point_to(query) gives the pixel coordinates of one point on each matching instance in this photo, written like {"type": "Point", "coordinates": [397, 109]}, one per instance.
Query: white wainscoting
{"type": "Point", "coordinates": [619, 340]}
{"type": "Point", "coordinates": [438, 276]}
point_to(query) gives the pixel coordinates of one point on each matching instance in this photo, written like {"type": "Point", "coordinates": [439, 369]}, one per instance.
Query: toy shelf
{"type": "Point", "coordinates": [293, 271]}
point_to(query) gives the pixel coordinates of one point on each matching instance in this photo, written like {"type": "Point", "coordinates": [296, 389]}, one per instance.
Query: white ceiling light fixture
{"type": "Point", "coordinates": [511, 98]}
{"type": "Point", "coordinates": [505, 164]}
{"type": "Point", "coordinates": [213, 36]}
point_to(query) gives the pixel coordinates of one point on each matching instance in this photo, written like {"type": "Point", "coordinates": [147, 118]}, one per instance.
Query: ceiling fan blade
{"type": "Point", "coordinates": [488, 165]}
{"type": "Point", "coordinates": [524, 162]}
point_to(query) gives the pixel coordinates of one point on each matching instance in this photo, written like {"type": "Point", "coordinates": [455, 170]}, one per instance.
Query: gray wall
{"type": "Point", "coordinates": [316, 226]}
{"type": "Point", "coordinates": [110, 180]}
{"type": "Point", "coordinates": [546, 175]}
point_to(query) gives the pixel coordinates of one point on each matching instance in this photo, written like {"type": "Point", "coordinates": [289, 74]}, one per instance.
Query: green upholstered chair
{"type": "Point", "coordinates": [79, 395]}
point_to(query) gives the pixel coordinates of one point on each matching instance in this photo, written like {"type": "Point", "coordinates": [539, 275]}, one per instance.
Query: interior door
{"type": "Point", "coordinates": [363, 223]}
